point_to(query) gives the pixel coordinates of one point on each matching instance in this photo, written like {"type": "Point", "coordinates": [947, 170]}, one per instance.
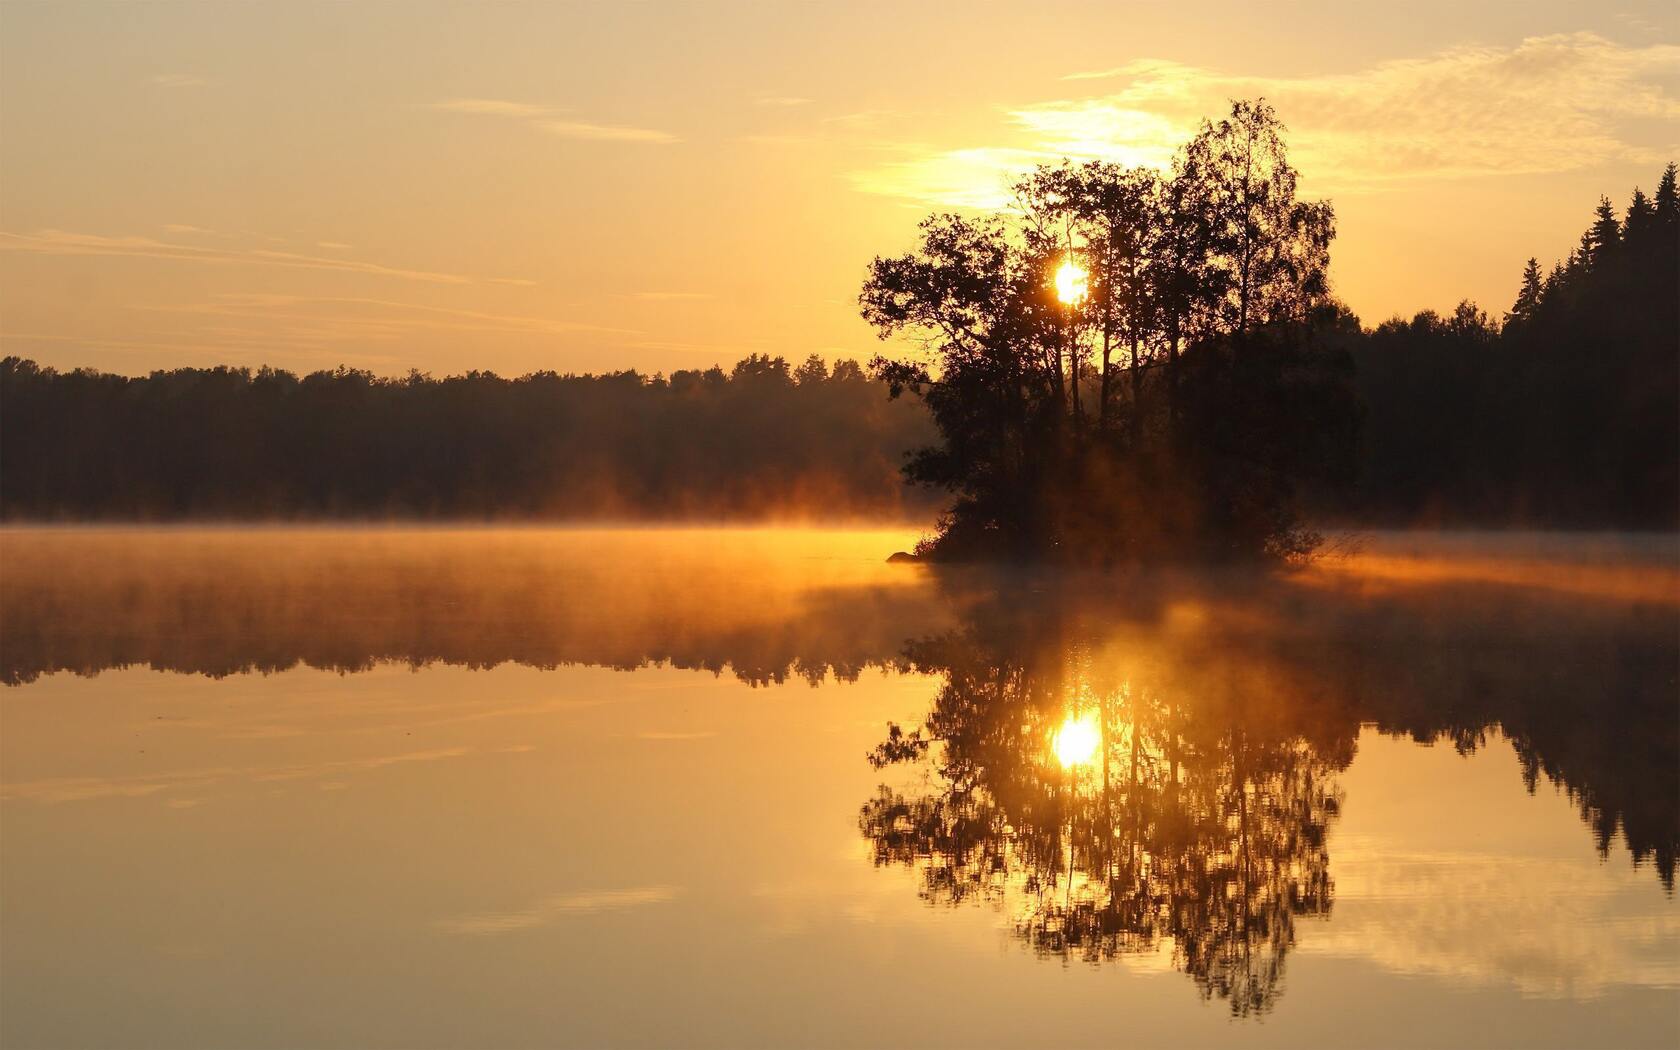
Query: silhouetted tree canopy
{"type": "Point", "coordinates": [1210, 405]}
{"type": "Point", "coordinates": [1568, 414]}
{"type": "Point", "coordinates": [1172, 410]}
{"type": "Point", "coordinates": [1201, 817]}
{"type": "Point", "coordinates": [761, 440]}
{"type": "Point", "coordinates": [1580, 683]}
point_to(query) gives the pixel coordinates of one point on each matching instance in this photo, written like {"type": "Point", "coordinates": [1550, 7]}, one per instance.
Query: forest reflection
{"type": "Point", "coordinates": [1204, 718]}
{"type": "Point", "coordinates": [1109, 809]}
{"type": "Point", "coordinates": [1162, 781]}
{"type": "Point", "coordinates": [761, 604]}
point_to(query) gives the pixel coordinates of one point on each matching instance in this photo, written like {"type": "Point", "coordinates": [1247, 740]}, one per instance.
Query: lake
{"type": "Point", "coordinates": [389, 787]}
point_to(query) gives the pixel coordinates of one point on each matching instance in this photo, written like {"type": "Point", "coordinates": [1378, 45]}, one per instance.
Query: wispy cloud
{"type": "Point", "coordinates": [578, 129]}
{"type": "Point", "coordinates": [492, 107]}
{"type": "Point", "coordinates": [1097, 74]}
{"type": "Point", "coordinates": [1549, 104]}
{"type": "Point", "coordinates": [554, 120]}
{"type": "Point", "coordinates": [561, 905]}
{"type": "Point", "coordinates": [669, 296]}
{"type": "Point", "coordinates": [1537, 906]}
{"type": "Point", "coordinates": [961, 178]}
{"type": "Point", "coordinates": [781, 101]}
{"type": "Point", "coordinates": [179, 80]}
{"type": "Point", "coordinates": [353, 318]}
{"type": "Point", "coordinates": [244, 326]}
{"type": "Point", "coordinates": [82, 789]}
{"type": "Point", "coordinates": [864, 118]}
{"type": "Point", "coordinates": [777, 140]}
{"type": "Point", "coordinates": [62, 242]}
{"type": "Point", "coordinates": [220, 349]}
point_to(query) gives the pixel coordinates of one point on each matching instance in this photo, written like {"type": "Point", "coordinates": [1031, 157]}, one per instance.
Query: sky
{"type": "Point", "coordinates": [594, 187]}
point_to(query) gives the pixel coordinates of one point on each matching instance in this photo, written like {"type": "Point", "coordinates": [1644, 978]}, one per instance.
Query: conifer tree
{"type": "Point", "coordinates": [1605, 234]}
{"type": "Point", "coordinates": [1528, 298]}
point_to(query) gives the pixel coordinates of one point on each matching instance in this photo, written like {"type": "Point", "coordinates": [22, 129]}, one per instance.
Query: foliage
{"type": "Point", "coordinates": [1201, 820]}
{"type": "Point", "coordinates": [1210, 406]}
{"type": "Point", "coordinates": [758, 441]}
{"type": "Point", "coordinates": [1176, 408]}
{"type": "Point", "coordinates": [1568, 414]}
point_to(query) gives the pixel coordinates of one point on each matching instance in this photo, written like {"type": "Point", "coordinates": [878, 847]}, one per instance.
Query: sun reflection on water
{"type": "Point", "coordinates": [1076, 741]}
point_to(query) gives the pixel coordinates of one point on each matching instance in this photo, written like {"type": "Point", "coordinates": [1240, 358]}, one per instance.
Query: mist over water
{"type": "Point", "coordinates": [391, 786]}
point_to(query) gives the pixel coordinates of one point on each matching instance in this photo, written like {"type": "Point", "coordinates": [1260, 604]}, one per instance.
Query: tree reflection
{"type": "Point", "coordinates": [1194, 823]}
{"type": "Point", "coordinates": [1255, 678]}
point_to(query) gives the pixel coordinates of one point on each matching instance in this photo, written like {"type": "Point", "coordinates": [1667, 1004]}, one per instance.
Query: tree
{"type": "Point", "coordinates": [1214, 276]}
{"type": "Point", "coordinates": [1272, 248]}
{"type": "Point", "coordinates": [1667, 201]}
{"type": "Point", "coordinates": [814, 372]}
{"type": "Point", "coordinates": [1528, 297]}
{"type": "Point", "coordinates": [1604, 235]}
{"type": "Point", "coordinates": [1641, 222]}
{"type": "Point", "coordinates": [232, 443]}
{"type": "Point", "coordinates": [1201, 815]}
{"type": "Point", "coordinates": [1569, 416]}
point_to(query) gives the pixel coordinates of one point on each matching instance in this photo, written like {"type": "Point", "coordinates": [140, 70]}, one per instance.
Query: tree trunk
{"type": "Point", "coordinates": [1137, 394]}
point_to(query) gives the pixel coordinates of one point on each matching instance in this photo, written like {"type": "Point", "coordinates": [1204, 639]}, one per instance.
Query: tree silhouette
{"type": "Point", "coordinates": [1199, 820]}
{"type": "Point", "coordinates": [1528, 298]}
{"type": "Point", "coordinates": [1582, 689]}
{"type": "Point", "coordinates": [762, 440]}
{"type": "Point", "coordinates": [1567, 416]}
{"type": "Point", "coordinates": [1205, 399]}
{"type": "Point", "coordinates": [1206, 286]}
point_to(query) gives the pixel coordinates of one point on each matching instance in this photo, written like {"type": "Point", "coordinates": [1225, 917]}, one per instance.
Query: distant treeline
{"type": "Point", "coordinates": [1566, 412]}
{"type": "Point", "coordinates": [762, 440]}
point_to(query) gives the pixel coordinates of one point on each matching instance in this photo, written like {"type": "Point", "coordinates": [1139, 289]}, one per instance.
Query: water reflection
{"type": "Point", "coordinates": [1157, 773]}
{"type": "Point", "coordinates": [1217, 710]}
{"type": "Point", "coordinates": [1107, 811]}
{"type": "Point", "coordinates": [762, 604]}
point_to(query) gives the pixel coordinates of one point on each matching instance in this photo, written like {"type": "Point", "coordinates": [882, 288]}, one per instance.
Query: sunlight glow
{"type": "Point", "coordinates": [1070, 282]}
{"type": "Point", "coordinates": [1076, 742]}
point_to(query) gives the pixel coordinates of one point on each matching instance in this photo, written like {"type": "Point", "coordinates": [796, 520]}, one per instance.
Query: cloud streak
{"type": "Point", "coordinates": [1549, 104]}
{"type": "Point", "coordinates": [554, 121]}
{"type": "Point", "coordinates": [491, 107]}
{"type": "Point", "coordinates": [323, 321]}
{"type": "Point", "coordinates": [578, 129]}
{"type": "Point", "coordinates": [62, 242]}
{"type": "Point", "coordinates": [83, 789]}
{"type": "Point", "coordinates": [559, 906]}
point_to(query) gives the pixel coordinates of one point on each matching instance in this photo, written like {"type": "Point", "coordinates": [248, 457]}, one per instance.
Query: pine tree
{"type": "Point", "coordinates": [1667, 202]}
{"type": "Point", "coordinates": [1641, 218]}
{"type": "Point", "coordinates": [1604, 235]}
{"type": "Point", "coordinates": [1528, 298]}
{"type": "Point", "coordinates": [1554, 283]}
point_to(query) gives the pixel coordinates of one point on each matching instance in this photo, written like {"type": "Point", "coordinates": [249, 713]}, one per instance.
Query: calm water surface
{"type": "Point", "coordinates": [438, 788]}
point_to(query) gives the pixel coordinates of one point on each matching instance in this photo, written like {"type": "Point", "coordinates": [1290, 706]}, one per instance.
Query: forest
{"type": "Point", "coordinates": [1563, 411]}
{"type": "Point", "coordinates": [1127, 364]}
{"type": "Point", "coordinates": [762, 440]}
{"type": "Point", "coordinates": [1141, 365]}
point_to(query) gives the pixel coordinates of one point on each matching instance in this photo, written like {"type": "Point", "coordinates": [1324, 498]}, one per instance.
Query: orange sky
{"type": "Point", "coordinates": [589, 187]}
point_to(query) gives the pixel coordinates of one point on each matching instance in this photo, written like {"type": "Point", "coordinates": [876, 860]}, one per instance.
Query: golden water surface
{"type": "Point", "coordinates": [524, 787]}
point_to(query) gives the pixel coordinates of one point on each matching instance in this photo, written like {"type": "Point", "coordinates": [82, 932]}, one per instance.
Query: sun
{"type": "Point", "coordinates": [1077, 741]}
{"type": "Point", "coordinates": [1070, 282]}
